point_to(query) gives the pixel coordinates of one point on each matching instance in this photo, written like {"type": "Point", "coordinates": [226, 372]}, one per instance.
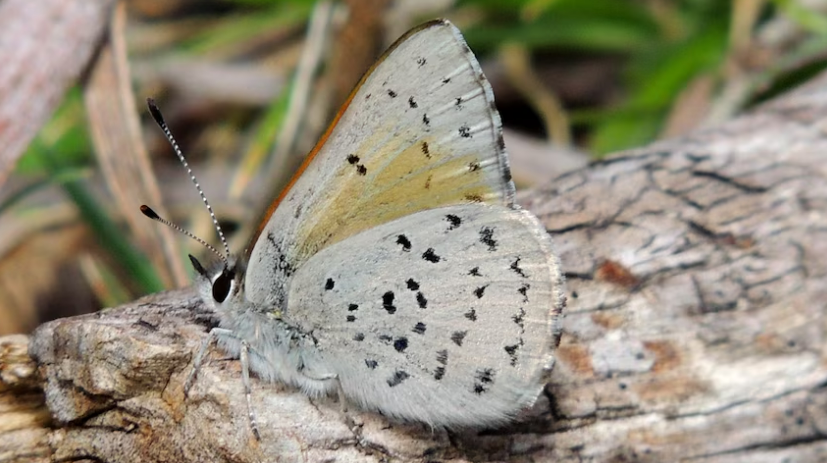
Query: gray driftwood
{"type": "Point", "coordinates": [694, 331]}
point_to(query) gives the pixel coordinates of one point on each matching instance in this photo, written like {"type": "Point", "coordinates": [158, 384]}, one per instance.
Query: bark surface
{"type": "Point", "coordinates": [694, 331]}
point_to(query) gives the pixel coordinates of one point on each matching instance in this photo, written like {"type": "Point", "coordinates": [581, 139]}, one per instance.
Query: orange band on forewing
{"type": "Point", "coordinates": [312, 154]}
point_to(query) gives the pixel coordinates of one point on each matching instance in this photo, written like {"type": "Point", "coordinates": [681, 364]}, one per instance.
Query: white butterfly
{"type": "Point", "coordinates": [395, 268]}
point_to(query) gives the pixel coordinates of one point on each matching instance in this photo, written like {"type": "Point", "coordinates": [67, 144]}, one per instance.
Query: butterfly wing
{"type": "Point", "coordinates": [446, 316]}
{"type": "Point", "coordinates": [419, 131]}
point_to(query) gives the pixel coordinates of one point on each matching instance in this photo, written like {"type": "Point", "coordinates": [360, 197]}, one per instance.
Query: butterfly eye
{"type": "Point", "coordinates": [221, 286]}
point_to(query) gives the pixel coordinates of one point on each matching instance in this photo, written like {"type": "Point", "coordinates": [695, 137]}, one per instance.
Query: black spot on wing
{"type": "Point", "coordinates": [404, 242]}
{"type": "Point", "coordinates": [458, 102]}
{"type": "Point", "coordinates": [442, 356]}
{"type": "Point", "coordinates": [464, 131]}
{"type": "Point", "coordinates": [474, 166]}
{"type": "Point", "coordinates": [519, 318]}
{"type": "Point", "coordinates": [515, 267]}
{"type": "Point", "coordinates": [412, 102]}
{"type": "Point", "coordinates": [412, 284]}
{"type": "Point", "coordinates": [471, 315]}
{"type": "Point", "coordinates": [431, 256]}
{"type": "Point", "coordinates": [391, 93]}
{"type": "Point", "coordinates": [352, 307]}
{"type": "Point", "coordinates": [398, 377]}
{"type": "Point", "coordinates": [485, 375]}
{"type": "Point", "coordinates": [426, 150]}
{"type": "Point", "coordinates": [351, 318]}
{"type": "Point", "coordinates": [400, 344]}
{"type": "Point", "coordinates": [458, 337]}
{"type": "Point", "coordinates": [512, 353]}
{"type": "Point", "coordinates": [419, 328]}
{"type": "Point", "coordinates": [453, 221]}
{"type": "Point", "coordinates": [420, 300]}
{"type": "Point", "coordinates": [484, 379]}
{"type": "Point", "coordinates": [385, 338]}
{"type": "Point", "coordinates": [359, 337]}
{"type": "Point", "coordinates": [426, 120]}
{"type": "Point", "coordinates": [328, 285]}
{"type": "Point", "coordinates": [353, 160]}
{"type": "Point", "coordinates": [475, 272]}
{"type": "Point", "coordinates": [479, 292]}
{"type": "Point", "coordinates": [501, 143]}
{"type": "Point", "coordinates": [524, 291]}
{"type": "Point", "coordinates": [487, 238]}
{"type": "Point", "coordinates": [281, 265]}
{"type": "Point", "coordinates": [372, 364]}
{"type": "Point", "coordinates": [446, 80]}
{"type": "Point", "coordinates": [421, 61]}
{"type": "Point", "coordinates": [387, 302]}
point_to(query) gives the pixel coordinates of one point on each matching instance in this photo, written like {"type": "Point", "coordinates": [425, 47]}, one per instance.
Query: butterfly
{"type": "Point", "coordinates": [395, 269]}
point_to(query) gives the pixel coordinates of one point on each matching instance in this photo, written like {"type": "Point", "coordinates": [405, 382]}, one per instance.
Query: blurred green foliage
{"type": "Point", "coordinates": [65, 136]}
{"type": "Point", "coordinates": [247, 24]}
{"type": "Point", "coordinates": [662, 51]}
{"type": "Point", "coordinates": [663, 45]}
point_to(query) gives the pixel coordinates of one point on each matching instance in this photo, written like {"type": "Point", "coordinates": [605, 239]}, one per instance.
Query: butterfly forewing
{"type": "Point", "coordinates": [419, 132]}
{"type": "Point", "coordinates": [443, 316]}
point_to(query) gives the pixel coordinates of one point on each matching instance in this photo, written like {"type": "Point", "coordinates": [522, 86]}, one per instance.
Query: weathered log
{"type": "Point", "coordinates": [695, 329]}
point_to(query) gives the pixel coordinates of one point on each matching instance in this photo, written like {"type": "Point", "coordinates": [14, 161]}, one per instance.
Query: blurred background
{"type": "Point", "coordinates": [247, 87]}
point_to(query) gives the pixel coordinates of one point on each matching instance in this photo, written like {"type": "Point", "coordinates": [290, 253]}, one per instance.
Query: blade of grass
{"type": "Point", "coordinates": [68, 175]}
{"type": "Point", "coordinates": [108, 233]}
{"type": "Point", "coordinates": [263, 139]}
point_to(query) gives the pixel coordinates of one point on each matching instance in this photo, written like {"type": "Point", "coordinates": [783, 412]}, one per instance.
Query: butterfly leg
{"type": "Point", "coordinates": [199, 357]}
{"type": "Point", "coordinates": [340, 392]}
{"type": "Point", "coordinates": [245, 378]}
{"type": "Point", "coordinates": [352, 423]}
{"type": "Point", "coordinates": [245, 371]}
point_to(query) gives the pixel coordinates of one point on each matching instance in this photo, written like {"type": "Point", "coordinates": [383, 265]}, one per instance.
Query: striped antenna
{"type": "Point", "coordinates": [159, 119]}
{"type": "Point", "coordinates": [147, 211]}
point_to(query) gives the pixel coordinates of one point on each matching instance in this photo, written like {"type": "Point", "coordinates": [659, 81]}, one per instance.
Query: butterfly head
{"type": "Point", "coordinates": [221, 284]}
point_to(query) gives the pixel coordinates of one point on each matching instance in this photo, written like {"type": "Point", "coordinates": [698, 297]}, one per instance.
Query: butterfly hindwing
{"type": "Point", "coordinates": [444, 316]}
{"type": "Point", "coordinates": [420, 131]}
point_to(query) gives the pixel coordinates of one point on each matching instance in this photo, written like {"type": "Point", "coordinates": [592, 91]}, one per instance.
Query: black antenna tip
{"type": "Point", "coordinates": [145, 210]}
{"type": "Point", "coordinates": [156, 113]}
{"type": "Point", "coordinates": [197, 265]}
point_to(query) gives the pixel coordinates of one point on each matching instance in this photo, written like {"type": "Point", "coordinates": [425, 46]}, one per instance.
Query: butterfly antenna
{"type": "Point", "coordinates": [147, 211]}
{"type": "Point", "coordinates": [159, 119]}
